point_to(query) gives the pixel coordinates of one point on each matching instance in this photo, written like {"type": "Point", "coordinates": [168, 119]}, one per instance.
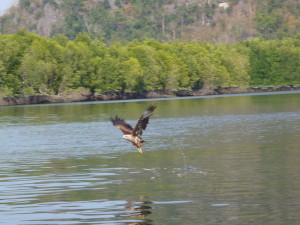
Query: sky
{"type": "Point", "coordinates": [5, 4]}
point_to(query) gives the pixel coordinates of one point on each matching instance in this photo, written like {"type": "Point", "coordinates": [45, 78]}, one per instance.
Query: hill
{"type": "Point", "coordinates": [164, 20]}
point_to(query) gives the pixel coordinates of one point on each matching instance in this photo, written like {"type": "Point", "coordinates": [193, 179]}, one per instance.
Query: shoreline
{"type": "Point", "coordinates": [85, 96]}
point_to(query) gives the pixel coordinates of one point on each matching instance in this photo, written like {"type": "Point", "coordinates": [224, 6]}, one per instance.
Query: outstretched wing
{"type": "Point", "coordinates": [143, 121]}
{"type": "Point", "coordinates": [121, 124]}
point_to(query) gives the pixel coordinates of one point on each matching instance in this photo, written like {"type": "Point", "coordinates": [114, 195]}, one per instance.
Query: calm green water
{"type": "Point", "coordinates": [213, 160]}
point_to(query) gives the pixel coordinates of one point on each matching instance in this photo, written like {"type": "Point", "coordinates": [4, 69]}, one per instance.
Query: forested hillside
{"type": "Point", "coordinates": [227, 21]}
{"type": "Point", "coordinates": [34, 65]}
{"type": "Point", "coordinates": [51, 47]}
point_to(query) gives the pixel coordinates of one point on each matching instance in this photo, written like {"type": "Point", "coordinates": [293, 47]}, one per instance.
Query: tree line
{"type": "Point", "coordinates": [33, 65]}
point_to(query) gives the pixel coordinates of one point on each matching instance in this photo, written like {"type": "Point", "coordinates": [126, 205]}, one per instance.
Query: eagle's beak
{"type": "Point", "coordinates": [140, 150]}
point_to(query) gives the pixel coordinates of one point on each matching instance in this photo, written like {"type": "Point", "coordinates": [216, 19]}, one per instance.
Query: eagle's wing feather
{"type": "Point", "coordinates": [122, 125]}
{"type": "Point", "coordinates": [143, 121]}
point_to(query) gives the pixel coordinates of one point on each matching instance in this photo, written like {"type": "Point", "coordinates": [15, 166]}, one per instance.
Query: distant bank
{"type": "Point", "coordinates": [88, 96]}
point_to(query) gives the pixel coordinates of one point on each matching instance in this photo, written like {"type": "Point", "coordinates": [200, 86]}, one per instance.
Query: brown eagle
{"type": "Point", "coordinates": [134, 134]}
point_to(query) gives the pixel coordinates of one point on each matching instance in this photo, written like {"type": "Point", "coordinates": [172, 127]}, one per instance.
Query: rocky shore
{"type": "Point", "coordinates": [88, 96]}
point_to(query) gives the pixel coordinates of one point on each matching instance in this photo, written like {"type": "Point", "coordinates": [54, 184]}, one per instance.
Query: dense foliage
{"type": "Point", "coordinates": [277, 19]}
{"type": "Point", "coordinates": [162, 20]}
{"type": "Point", "coordinates": [31, 64]}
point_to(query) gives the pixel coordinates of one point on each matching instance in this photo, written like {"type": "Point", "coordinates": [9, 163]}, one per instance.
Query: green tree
{"type": "Point", "coordinates": [132, 72]}
{"type": "Point", "coordinates": [109, 71]}
{"type": "Point", "coordinates": [274, 61]}
{"type": "Point", "coordinates": [148, 59]}
{"type": "Point", "coordinates": [235, 60]}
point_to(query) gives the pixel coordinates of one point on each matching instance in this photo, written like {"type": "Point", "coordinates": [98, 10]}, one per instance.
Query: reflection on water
{"type": "Point", "coordinates": [229, 160]}
{"type": "Point", "coordinates": [138, 210]}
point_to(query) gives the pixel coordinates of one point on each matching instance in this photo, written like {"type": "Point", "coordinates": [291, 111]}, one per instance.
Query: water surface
{"type": "Point", "coordinates": [209, 160]}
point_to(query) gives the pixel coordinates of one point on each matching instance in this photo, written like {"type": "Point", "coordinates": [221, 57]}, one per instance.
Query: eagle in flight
{"type": "Point", "coordinates": [134, 134]}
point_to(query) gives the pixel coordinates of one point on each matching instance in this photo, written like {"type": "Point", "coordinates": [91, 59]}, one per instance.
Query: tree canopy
{"type": "Point", "coordinates": [32, 65]}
